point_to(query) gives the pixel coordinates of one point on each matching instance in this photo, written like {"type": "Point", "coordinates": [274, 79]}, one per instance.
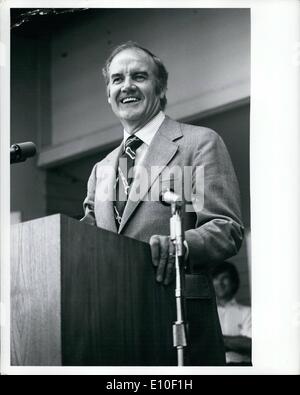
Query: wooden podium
{"type": "Point", "coordinates": [83, 296]}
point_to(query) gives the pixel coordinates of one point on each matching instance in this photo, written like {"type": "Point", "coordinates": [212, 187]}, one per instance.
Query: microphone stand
{"type": "Point", "coordinates": [179, 326]}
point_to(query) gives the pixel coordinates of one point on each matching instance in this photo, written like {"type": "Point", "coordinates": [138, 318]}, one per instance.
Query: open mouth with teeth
{"type": "Point", "coordinates": [129, 99]}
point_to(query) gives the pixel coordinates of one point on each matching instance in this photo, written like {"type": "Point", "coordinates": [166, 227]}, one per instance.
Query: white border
{"type": "Point", "coordinates": [275, 200]}
{"type": "Point", "coordinates": [275, 197]}
{"type": "Point", "coordinates": [4, 184]}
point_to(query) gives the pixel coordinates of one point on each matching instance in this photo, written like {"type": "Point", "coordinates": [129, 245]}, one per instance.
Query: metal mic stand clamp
{"type": "Point", "coordinates": [179, 326]}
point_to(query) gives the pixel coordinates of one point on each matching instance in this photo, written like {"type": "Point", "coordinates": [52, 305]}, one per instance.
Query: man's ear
{"type": "Point", "coordinates": [162, 93]}
{"type": "Point", "coordinates": [108, 94]}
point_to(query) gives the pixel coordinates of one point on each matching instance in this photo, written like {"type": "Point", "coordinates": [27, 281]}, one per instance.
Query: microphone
{"type": "Point", "coordinates": [168, 197]}
{"type": "Point", "coordinates": [20, 152]}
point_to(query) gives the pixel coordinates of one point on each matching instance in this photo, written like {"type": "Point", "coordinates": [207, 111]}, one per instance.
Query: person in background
{"type": "Point", "coordinates": [235, 318]}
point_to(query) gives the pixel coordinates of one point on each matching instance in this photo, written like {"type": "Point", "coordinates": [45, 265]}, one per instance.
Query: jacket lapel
{"type": "Point", "coordinates": [106, 190]}
{"type": "Point", "coordinates": [160, 152]}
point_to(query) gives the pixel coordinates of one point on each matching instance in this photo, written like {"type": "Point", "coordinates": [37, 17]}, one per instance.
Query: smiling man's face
{"type": "Point", "coordinates": [133, 89]}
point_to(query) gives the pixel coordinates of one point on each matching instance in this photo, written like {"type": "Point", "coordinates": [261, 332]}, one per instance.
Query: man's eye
{"type": "Point", "coordinates": [116, 80]}
{"type": "Point", "coordinates": [140, 77]}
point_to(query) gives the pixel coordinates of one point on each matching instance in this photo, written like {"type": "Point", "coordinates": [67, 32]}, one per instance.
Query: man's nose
{"type": "Point", "coordinates": [128, 85]}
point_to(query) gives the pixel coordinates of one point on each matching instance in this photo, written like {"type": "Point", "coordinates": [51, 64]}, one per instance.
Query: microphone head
{"type": "Point", "coordinates": [168, 197]}
{"type": "Point", "coordinates": [20, 152]}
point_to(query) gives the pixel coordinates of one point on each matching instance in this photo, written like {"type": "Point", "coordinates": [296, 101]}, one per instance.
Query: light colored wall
{"type": "Point", "coordinates": [207, 53]}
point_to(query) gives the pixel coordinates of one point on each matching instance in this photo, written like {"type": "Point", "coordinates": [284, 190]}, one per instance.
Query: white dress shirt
{"type": "Point", "coordinates": [146, 134]}
{"type": "Point", "coordinates": [235, 320]}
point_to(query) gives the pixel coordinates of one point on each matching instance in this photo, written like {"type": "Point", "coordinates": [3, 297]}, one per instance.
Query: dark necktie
{"type": "Point", "coordinates": [125, 176]}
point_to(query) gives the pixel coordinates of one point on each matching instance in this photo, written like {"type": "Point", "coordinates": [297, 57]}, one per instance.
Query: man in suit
{"type": "Point", "coordinates": [191, 160]}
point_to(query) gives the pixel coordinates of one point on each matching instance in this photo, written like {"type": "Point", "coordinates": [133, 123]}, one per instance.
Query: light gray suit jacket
{"type": "Point", "coordinates": [213, 227]}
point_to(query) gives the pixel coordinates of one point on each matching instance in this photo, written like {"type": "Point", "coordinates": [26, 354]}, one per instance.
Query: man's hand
{"type": "Point", "coordinates": [163, 258]}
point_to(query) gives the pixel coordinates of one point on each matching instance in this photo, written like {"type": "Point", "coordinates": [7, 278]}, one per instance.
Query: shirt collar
{"type": "Point", "coordinates": [232, 302]}
{"type": "Point", "coordinates": [148, 131]}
